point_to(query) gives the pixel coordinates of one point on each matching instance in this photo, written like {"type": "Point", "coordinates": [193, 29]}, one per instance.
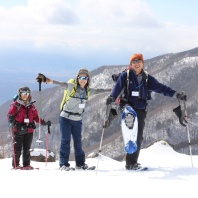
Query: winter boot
{"type": "Point", "coordinates": [65, 168]}
{"type": "Point", "coordinates": [17, 167]}
{"type": "Point", "coordinates": [134, 166]}
{"type": "Point", "coordinates": [27, 168]}
{"type": "Point", "coordinates": [83, 167]}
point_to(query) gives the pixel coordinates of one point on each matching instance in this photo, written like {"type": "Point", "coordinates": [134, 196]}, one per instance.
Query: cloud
{"type": "Point", "coordinates": [87, 26]}
{"type": "Point", "coordinates": [116, 13]}
{"type": "Point", "coordinates": [53, 11]}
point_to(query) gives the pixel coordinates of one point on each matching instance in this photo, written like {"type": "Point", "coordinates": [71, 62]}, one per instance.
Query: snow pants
{"type": "Point", "coordinates": [22, 142]}
{"type": "Point", "coordinates": [133, 158]}
{"type": "Point", "coordinates": [70, 128]}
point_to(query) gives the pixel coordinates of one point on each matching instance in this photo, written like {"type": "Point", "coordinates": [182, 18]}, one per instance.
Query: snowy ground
{"type": "Point", "coordinates": [170, 174]}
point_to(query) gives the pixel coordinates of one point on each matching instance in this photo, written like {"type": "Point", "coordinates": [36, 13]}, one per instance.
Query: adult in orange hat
{"type": "Point", "coordinates": [136, 95]}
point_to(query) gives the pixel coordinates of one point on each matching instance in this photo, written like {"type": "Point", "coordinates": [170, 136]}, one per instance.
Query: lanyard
{"type": "Point", "coordinates": [82, 95]}
{"type": "Point", "coordinates": [136, 87]}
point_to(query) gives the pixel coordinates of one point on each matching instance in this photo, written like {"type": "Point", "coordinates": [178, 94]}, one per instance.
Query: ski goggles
{"type": "Point", "coordinates": [83, 77]}
{"type": "Point", "coordinates": [136, 61]}
{"type": "Point", "coordinates": [27, 93]}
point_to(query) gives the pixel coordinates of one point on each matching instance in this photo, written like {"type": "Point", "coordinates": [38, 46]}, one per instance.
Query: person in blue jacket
{"type": "Point", "coordinates": [138, 90]}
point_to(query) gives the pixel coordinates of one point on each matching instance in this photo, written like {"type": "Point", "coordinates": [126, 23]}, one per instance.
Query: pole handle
{"type": "Point", "coordinates": [48, 129]}
{"type": "Point", "coordinates": [40, 81]}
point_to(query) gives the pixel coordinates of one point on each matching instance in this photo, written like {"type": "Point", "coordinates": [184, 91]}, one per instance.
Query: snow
{"type": "Point", "coordinates": [38, 152]}
{"type": "Point", "coordinates": [170, 174]}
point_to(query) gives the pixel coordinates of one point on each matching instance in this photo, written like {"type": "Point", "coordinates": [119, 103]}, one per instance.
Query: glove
{"type": "Point", "coordinates": [110, 118]}
{"type": "Point", "coordinates": [109, 100]}
{"type": "Point", "coordinates": [181, 96]}
{"type": "Point", "coordinates": [45, 123]}
{"type": "Point", "coordinates": [48, 123]}
{"type": "Point", "coordinates": [10, 118]}
{"type": "Point", "coordinates": [42, 78]}
{"type": "Point", "coordinates": [180, 115]}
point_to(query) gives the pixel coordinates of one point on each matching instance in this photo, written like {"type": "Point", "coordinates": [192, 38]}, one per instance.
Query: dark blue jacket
{"type": "Point", "coordinates": [139, 102]}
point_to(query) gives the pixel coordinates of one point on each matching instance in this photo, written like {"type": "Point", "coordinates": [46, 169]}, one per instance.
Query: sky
{"type": "Point", "coordinates": [98, 32]}
{"type": "Point", "coordinates": [57, 37]}
{"type": "Point", "coordinates": [169, 174]}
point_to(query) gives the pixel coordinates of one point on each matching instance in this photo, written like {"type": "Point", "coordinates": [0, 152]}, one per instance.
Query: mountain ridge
{"type": "Point", "coordinates": [178, 70]}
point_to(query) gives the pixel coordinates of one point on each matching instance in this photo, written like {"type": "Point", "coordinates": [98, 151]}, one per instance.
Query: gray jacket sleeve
{"type": "Point", "coordinates": [96, 91]}
{"type": "Point", "coordinates": [61, 84]}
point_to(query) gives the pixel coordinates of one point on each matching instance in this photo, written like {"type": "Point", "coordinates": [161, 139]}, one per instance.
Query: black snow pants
{"type": "Point", "coordinates": [133, 158]}
{"type": "Point", "coordinates": [22, 143]}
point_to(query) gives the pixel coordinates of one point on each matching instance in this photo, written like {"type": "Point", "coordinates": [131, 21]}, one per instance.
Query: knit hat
{"type": "Point", "coordinates": [24, 89]}
{"type": "Point", "coordinates": [83, 71]}
{"type": "Point", "coordinates": [136, 56]}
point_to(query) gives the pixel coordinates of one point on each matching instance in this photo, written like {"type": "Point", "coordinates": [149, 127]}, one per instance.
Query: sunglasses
{"type": "Point", "coordinates": [25, 93]}
{"type": "Point", "coordinates": [83, 77]}
{"type": "Point", "coordinates": [136, 61]}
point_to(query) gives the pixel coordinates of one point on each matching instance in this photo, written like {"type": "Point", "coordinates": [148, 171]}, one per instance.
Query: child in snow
{"type": "Point", "coordinates": [22, 116]}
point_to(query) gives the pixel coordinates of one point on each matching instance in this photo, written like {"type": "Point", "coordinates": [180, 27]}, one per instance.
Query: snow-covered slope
{"type": "Point", "coordinates": [170, 174]}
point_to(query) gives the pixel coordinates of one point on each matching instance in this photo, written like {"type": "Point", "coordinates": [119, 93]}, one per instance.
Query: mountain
{"type": "Point", "coordinates": [177, 70]}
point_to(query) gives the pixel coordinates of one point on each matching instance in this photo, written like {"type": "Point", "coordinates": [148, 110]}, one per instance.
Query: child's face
{"type": "Point", "coordinates": [24, 96]}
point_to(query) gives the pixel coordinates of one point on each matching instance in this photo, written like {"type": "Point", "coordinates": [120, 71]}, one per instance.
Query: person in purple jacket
{"type": "Point", "coordinates": [136, 95]}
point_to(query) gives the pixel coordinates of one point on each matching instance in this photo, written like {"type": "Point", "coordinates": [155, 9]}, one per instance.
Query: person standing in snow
{"type": "Point", "coordinates": [136, 96]}
{"type": "Point", "coordinates": [22, 116]}
{"type": "Point", "coordinates": [76, 94]}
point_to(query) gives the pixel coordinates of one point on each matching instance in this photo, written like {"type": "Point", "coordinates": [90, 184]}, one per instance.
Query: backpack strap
{"type": "Point", "coordinates": [127, 82]}
{"type": "Point", "coordinates": [125, 86]}
{"type": "Point", "coordinates": [148, 92]}
{"type": "Point", "coordinates": [17, 105]}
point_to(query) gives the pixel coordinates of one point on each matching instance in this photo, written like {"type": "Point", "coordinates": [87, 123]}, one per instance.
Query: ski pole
{"type": "Point", "coordinates": [13, 151]}
{"type": "Point", "coordinates": [100, 148]}
{"type": "Point", "coordinates": [47, 138]}
{"type": "Point", "coordinates": [187, 130]}
{"type": "Point", "coordinates": [105, 120]}
{"type": "Point", "coordinates": [39, 140]}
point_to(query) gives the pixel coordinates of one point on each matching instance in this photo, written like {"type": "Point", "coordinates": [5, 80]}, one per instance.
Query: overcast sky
{"type": "Point", "coordinates": [109, 31]}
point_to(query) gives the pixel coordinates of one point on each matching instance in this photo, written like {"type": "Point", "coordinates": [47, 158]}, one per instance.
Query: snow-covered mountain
{"type": "Point", "coordinates": [179, 71]}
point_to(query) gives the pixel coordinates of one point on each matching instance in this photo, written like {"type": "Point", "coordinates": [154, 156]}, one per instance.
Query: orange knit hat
{"type": "Point", "coordinates": [136, 56]}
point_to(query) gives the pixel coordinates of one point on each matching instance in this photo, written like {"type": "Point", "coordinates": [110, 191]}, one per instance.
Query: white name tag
{"type": "Point", "coordinates": [135, 93]}
{"type": "Point", "coordinates": [81, 106]}
{"type": "Point", "coordinates": [26, 120]}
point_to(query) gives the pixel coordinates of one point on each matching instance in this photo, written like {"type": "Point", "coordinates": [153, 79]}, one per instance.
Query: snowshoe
{"type": "Point", "coordinates": [129, 120]}
{"type": "Point", "coordinates": [135, 167]}
{"type": "Point", "coordinates": [85, 167]}
{"type": "Point", "coordinates": [66, 168]}
{"type": "Point", "coordinates": [27, 168]}
{"type": "Point", "coordinates": [17, 167]}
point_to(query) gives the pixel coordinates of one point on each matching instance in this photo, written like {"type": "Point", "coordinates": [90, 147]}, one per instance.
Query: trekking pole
{"type": "Point", "coordinates": [13, 151]}
{"type": "Point", "coordinates": [47, 138]}
{"type": "Point", "coordinates": [100, 149]}
{"type": "Point", "coordinates": [39, 140]}
{"type": "Point", "coordinates": [187, 129]}
{"type": "Point", "coordinates": [105, 120]}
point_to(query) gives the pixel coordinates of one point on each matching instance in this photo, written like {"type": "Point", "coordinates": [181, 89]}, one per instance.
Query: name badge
{"type": "Point", "coordinates": [135, 93]}
{"type": "Point", "coordinates": [81, 106]}
{"type": "Point", "coordinates": [26, 120]}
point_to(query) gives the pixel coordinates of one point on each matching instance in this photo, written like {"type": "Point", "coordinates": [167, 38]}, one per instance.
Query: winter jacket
{"type": "Point", "coordinates": [140, 101]}
{"type": "Point", "coordinates": [71, 91]}
{"type": "Point", "coordinates": [70, 104]}
{"type": "Point", "coordinates": [20, 111]}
